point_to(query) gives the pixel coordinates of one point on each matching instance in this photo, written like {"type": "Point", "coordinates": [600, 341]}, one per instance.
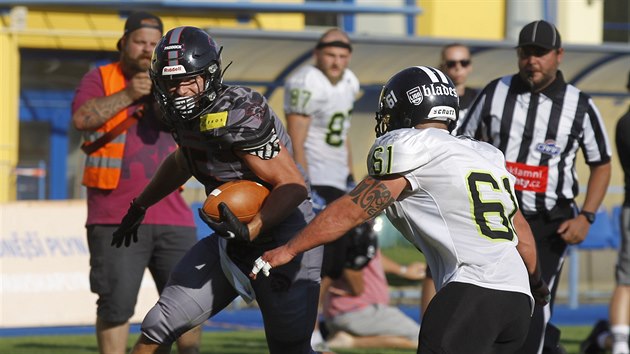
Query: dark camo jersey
{"type": "Point", "coordinates": [248, 124]}
{"type": "Point", "coordinates": [239, 119]}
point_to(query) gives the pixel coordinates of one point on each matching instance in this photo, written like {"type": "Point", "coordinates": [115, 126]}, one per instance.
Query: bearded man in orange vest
{"type": "Point", "coordinates": [125, 141]}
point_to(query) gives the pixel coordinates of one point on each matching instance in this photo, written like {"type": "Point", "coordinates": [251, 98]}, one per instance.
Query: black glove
{"type": "Point", "coordinates": [230, 227]}
{"type": "Point", "coordinates": [541, 292]}
{"type": "Point", "coordinates": [129, 225]}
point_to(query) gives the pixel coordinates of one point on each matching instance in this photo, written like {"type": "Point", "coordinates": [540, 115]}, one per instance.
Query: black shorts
{"type": "Point", "coordinates": [465, 318]}
{"type": "Point", "coordinates": [116, 273]}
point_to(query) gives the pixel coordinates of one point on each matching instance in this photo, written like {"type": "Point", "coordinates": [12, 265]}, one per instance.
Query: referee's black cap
{"type": "Point", "coordinates": [541, 34]}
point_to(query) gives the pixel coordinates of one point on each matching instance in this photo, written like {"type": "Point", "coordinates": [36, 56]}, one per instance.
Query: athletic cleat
{"type": "Point", "coordinates": [322, 348]}
{"type": "Point", "coordinates": [589, 345]}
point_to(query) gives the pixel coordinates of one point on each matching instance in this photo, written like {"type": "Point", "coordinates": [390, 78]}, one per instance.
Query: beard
{"type": "Point", "coordinates": [537, 80]}
{"type": "Point", "coordinates": [140, 64]}
{"type": "Point", "coordinates": [529, 78]}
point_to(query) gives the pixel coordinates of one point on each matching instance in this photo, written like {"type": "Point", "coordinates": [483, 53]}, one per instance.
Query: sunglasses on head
{"type": "Point", "coordinates": [452, 63]}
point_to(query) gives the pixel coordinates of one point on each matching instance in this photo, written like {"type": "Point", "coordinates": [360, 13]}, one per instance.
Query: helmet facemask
{"type": "Point", "coordinates": [382, 124]}
{"type": "Point", "coordinates": [382, 118]}
{"type": "Point", "coordinates": [185, 54]}
{"type": "Point", "coordinates": [389, 116]}
{"type": "Point", "coordinates": [191, 107]}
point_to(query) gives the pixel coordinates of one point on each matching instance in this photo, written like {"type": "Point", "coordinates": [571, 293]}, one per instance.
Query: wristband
{"type": "Point", "coordinates": [590, 217]}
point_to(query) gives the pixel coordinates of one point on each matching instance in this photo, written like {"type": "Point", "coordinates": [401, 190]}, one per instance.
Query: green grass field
{"type": "Point", "coordinates": [236, 342]}
{"type": "Point", "coordinates": [243, 341]}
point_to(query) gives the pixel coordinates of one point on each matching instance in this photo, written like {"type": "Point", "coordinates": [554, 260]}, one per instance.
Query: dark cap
{"type": "Point", "coordinates": [137, 20]}
{"type": "Point", "coordinates": [541, 34]}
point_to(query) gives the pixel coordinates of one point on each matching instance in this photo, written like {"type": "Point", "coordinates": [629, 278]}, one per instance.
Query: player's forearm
{"type": "Point", "coordinates": [297, 128]}
{"type": "Point", "coordinates": [365, 201]}
{"type": "Point", "coordinates": [527, 246]}
{"type": "Point", "coordinates": [389, 266]}
{"type": "Point", "coordinates": [354, 278]}
{"type": "Point", "coordinates": [95, 112]}
{"type": "Point", "coordinates": [597, 186]}
{"type": "Point", "coordinates": [348, 148]}
{"type": "Point", "coordinates": [279, 204]}
{"type": "Point", "coordinates": [300, 158]}
{"type": "Point", "coordinates": [332, 223]}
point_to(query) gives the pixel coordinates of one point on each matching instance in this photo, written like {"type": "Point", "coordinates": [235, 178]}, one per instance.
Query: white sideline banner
{"type": "Point", "coordinates": [45, 266]}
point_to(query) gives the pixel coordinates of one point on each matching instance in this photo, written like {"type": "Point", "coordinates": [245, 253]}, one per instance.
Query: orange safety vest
{"type": "Point", "coordinates": [102, 167]}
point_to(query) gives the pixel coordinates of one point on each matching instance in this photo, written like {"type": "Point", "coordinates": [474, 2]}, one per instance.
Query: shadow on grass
{"type": "Point", "coordinates": [43, 348]}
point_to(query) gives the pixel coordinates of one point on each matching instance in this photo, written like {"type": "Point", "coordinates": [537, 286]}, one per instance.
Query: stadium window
{"type": "Point", "coordinates": [317, 19]}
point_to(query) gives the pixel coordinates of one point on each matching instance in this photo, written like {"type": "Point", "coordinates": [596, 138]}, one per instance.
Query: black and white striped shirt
{"type": "Point", "coordinates": [540, 134]}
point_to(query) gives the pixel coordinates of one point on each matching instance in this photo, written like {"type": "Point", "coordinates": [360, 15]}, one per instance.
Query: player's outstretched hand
{"type": "Point", "coordinates": [128, 228]}
{"type": "Point", "coordinates": [272, 258]}
{"type": "Point", "coordinates": [541, 293]}
{"type": "Point", "coordinates": [229, 226]}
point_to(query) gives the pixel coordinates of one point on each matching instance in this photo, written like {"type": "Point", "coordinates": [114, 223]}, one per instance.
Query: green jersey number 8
{"type": "Point", "coordinates": [335, 128]}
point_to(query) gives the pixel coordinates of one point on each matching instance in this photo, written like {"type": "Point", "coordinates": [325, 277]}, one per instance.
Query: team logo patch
{"type": "Point", "coordinates": [549, 147]}
{"type": "Point", "coordinates": [213, 121]}
{"type": "Point", "coordinates": [415, 96]}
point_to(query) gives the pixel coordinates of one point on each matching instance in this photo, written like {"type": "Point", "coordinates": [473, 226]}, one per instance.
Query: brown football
{"type": "Point", "coordinates": [245, 198]}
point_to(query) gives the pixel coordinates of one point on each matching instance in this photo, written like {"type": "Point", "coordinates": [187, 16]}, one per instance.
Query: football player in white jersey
{"type": "Point", "coordinates": [318, 104]}
{"type": "Point", "coordinates": [453, 199]}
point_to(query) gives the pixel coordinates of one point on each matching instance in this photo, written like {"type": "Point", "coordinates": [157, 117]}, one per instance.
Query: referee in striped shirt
{"type": "Point", "coordinates": [539, 122]}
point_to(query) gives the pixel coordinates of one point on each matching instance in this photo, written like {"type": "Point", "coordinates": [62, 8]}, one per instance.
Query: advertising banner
{"type": "Point", "coordinates": [44, 266]}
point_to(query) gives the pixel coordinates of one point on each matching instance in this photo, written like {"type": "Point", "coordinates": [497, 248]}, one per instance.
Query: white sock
{"type": "Point", "coordinates": [316, 337]}
{"type": "Point", "coordinates": [620, 335]}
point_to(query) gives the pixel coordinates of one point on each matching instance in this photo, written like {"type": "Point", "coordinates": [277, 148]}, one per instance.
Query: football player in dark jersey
{"type": "Point", "coordinates": [226, 133]}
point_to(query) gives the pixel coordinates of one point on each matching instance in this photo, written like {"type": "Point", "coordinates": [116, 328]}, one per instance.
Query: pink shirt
{"type": "Point", "coordinates": [376, 291]}
{"type": "Point", "coordinates": [145, 148]}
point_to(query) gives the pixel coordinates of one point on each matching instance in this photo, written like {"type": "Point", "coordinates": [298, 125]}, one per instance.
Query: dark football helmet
{"type": "Point", "coordinates": [363, 244]}
{"type": "Point", "coordinates": [184, 53]}
{"type": "Point", "coordinates": [415, 95]}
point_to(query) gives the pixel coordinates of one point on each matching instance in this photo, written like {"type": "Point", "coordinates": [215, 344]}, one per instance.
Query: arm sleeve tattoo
{"type": "Point", "coordinates": [372, 196]}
